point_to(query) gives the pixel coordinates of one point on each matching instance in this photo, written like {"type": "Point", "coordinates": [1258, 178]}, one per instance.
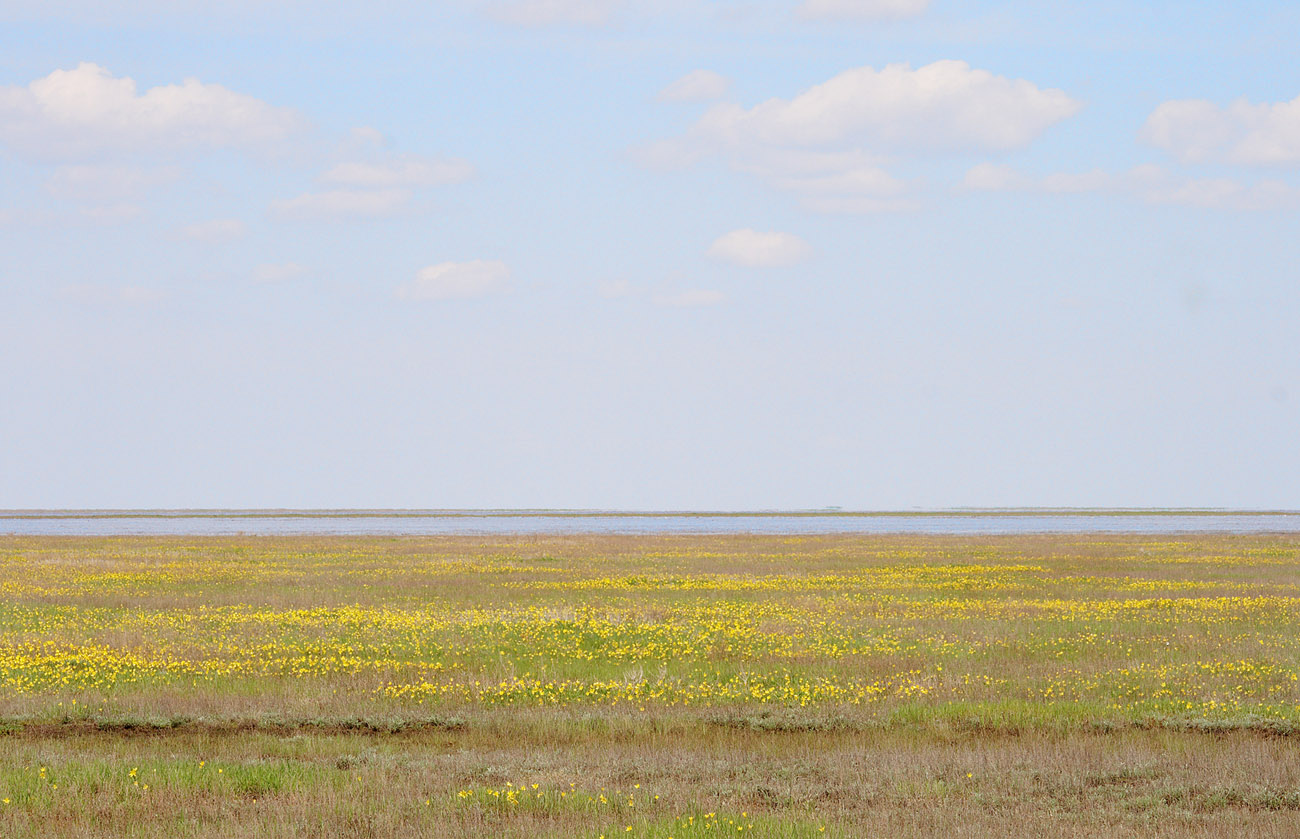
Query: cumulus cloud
{"type": "Point", "coordinates": [1253, 134]}
{"type": "Point", "coordinates": [829, 144]}
{"type": "Point", "coordinates": [861, 9]}
{"type": "Point", "coordinates": [942, 106]}
{"type": "Point", "coordinates": [549, 12]}
{"type": "Point", "coordinates": [408, 171]}
{"type": "Point", "coordinates": [692, 299]}
{"type": "Point", "coordinates": [343, 203]}
{"type": "Point", "coordinates": [457, 281]}
{"type": "Point", "coordinates": [277, 272]}
{"type": "Point", "coordinates": [87, 112]}
{"type": "Point", "coordinates": [1151, 184]}
{"type": "Point", "coordinates": [107, 182]}
{"type": "Point", "coordinates": [755, 249]}
{"type": "Point", "coordinates": [696, 86]}
{"type": "Point", "coordinates": [215, 231]}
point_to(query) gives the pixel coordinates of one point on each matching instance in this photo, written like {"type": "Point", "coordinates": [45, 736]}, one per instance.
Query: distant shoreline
{"type": "Point", "coordinates": [270, 513]}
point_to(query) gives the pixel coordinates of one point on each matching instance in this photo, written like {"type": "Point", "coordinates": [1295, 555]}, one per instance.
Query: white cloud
{"type": "Point", "coordinates": [366, 135]}
{"type": "Point", "coordinates": [670, 155]}
{"type": "Point", "coordinates": [214, 232]}
{"type": "Point", "coordinates": [373, 188]}
{"type": "Point", "coordinates": [457, 281]}
{"type": "Point", "coordinates": [106, 182]}
{"type": "Point", "coordinates": [827, 144]}
{"type": "Point", "coordinates": [537, 13]}
{"type": "Point", "coordinates": [995, 177]}
{"type": "Point", "coordinates": [85, 112]}
{"type": "Point", "coordinates": [111, 213]}
{"type": "Point", "coordinates": [696, 86]}
{"type": "Point", "coordinates": [410, 171]}
{"type": "Point", "coordinates": [548, 12]}
{"type": "Point", "coordinates": [947, 105]}
{"type": "Point", "coordinates": [615, 289]}
{"type": "Point", "coordinates": [1075, 182]}
{"type": "Point", "coordinates": [861, 9]}
{"type": "Point", "coordinates": [831, 182]}
{"type": "Point", "coordinates": [692, 299]}
{"type": "Point", "coordinates": [343, 203]}
{"type": "Point", "coordinates": [1152, 184]}
{"type": "Point", "coordinates": [277, 272]}
{"type": "Point", "coordinates": [99, 295]}
{"type": "Point", "coordinates": [865, 189]}
{"type": "Point", "coordinates": [1157, 186]}
{"type": "Point", "coordinates": [755, 249]}
{"type": "Point", "coordinates": [1196, 131]}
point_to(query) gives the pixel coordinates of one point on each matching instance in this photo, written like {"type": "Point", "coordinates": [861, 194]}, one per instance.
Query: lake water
{"type": "Point", "coordinates": [507, 522]}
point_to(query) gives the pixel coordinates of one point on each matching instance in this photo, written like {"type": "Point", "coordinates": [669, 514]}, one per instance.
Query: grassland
{"type": "Point", "coordinates": [650, 686]}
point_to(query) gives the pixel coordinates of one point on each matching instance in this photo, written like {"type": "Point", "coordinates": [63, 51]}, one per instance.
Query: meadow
{"type": "Point", "coordinates": [650, 686]}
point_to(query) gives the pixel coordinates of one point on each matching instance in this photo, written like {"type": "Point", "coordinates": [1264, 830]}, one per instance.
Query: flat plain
{"type": "Point", "coordinates": [650, 686]}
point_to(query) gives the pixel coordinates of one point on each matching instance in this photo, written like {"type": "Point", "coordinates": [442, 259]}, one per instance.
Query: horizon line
{"type": "Point", "coordinates": [578, 512]}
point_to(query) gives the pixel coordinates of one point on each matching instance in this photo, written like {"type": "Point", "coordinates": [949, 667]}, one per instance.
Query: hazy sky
{"type": "Point", "coordinates": [649, 253]}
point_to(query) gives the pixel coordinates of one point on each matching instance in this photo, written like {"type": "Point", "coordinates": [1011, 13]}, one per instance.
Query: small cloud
{"type": "Point", "coordinates": [1156, 186]}
{"type": "Point", "coordinates": [342, 203]}
{"type": "Point", "coordinates": [668, 155]}
{"type": "Point", "coordinates": [694, 298]}
{"type": "Point", "coordinates": [277, 272]}
{"type": "Point", "coordinates": [1152, 184]}
{"type": "Point", "coordinates": [532, 13]}
{"type": "Point", "coordinates": [410, 171]}
{"type": "Point", "coordinates": [99, 295]}
{"type": "Point", "coordinates": [457, 281]}
{"type": "Point", "coordinates": [1253, 134]}
{"type": "Point", "coordinates": [697, 86]}
{"type": "Point", "coordinates": [861, 189]}
{"type": "Point", "coordinates": [112, 213]}
{"type": "Point", "coordinates": [861, 9]}
{"type": "Point", "coordinates": [615, 289]}
{"type": "Point", "coordinates": [832, 182]}
{"type": "Point", "coordinates": [755, 249]}
{"type": "Point", "coordinates": [106, 183]}
{"type": "Point", "coordinates": [1068, 182]}
{"type": "Point", "coordinates": [214, 232]}
{"type": "Point", "coordinates": [995, 177]}
{"type": "Point", "coordinates": [366, 135]}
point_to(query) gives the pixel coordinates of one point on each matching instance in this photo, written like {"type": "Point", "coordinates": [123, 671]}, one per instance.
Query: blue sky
{"type": "Point", "coordinates": [649, 254]}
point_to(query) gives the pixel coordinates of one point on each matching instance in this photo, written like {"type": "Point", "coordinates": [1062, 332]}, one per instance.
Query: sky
{"type": "Point", "coordinates": [649, 254]}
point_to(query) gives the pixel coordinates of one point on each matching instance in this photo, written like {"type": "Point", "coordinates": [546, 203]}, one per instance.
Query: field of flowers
{"type": "Point", "coordinates": [581, 642]}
